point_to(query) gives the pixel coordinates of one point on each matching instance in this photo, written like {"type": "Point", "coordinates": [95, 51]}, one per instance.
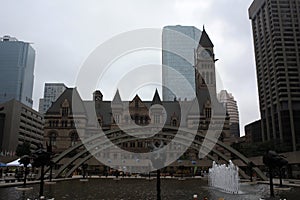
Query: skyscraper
{"type": "Point", "coordinates": [178, 74]}
{"type": "Point", "coordinates": [16, 70]}
{"type": "Point", "coordinates": [232, 109]}
{"type": "Point", "coordinates": [51, 92]}
{"type": "Point", "coordinates": [276, 36]}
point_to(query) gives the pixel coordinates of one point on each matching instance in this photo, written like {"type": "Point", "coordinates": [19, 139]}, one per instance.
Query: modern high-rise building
{"type": "Point", "coordinates": [51, 92]}
{"type": "Point", "coordinates": [232, 110]}
{"type": "Point", "coordinates": [19, 123]}
{"type": "Point", "coordinates": [178, 74]}
{"type": "Point", "coordinates": [276, 34]}
{"type": "Point", "coordinates": [16, 70]}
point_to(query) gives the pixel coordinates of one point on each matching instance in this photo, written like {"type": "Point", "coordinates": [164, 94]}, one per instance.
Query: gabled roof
{"type": "Point", "coordinates": [156, 99]}
{"type": "Point", "coordinates": [70, 95]}
{"type": "Point", "coordinates": [205, 41]}
{"type": "Point", "coordinates": [117, 98]}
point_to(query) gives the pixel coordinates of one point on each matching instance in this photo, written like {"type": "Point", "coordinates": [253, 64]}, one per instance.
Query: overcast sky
{"type": "Point", "coordinates": [65, 32]}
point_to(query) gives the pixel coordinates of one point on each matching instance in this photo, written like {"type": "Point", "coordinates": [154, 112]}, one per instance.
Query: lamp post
{"type": "Point", "coordinates": [158, 160]}
{"type": "Point", "coordinates": [250, 166]}
{"type": "Point", "coordinates": [51, 163]}
{"type": "Point", "coordinates": [41, 157]}
{"type": "Point", "coordinates": [25, 160]}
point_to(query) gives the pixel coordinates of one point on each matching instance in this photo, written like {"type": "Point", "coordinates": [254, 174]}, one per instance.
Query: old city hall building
{"type": "Point", "coordinates": [66, 127]}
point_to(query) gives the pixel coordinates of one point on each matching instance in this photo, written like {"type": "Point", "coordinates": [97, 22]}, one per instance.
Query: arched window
{"type": "Point", "coordinates": [52, 139]}
{"type": "Point", "coordinates": [74, 138]}
{"type": "Point", "coordinates": [65, 108]}
{"type": "Point", "coordinates": [174, 122]}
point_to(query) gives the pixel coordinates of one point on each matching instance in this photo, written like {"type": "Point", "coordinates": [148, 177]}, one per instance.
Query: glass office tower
{"type": "Point", "coordinates": [178, 73]}
{"type": "Point", "coordinates": [16, 70]}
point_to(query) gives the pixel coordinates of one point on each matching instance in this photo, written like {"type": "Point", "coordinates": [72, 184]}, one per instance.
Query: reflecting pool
{"type": "Point", "coordinates": [141, 189]}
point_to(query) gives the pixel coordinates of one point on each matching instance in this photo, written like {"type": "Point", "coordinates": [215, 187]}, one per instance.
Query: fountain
{"type": "Point", "coordinates": [225, 178]}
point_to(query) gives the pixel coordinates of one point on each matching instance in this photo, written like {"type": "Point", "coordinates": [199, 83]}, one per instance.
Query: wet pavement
{"type": "Point", "coordinates": [142, 189]}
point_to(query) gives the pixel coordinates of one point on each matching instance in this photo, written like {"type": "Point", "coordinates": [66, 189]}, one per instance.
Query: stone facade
{"type": "Point", "coordinates": [70, 118]}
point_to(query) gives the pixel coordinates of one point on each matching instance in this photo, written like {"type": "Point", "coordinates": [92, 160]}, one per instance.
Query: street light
{"type": "Point", "coordinates": [158, 160]}
{"type": "Point", "coordinates": [41, 157]}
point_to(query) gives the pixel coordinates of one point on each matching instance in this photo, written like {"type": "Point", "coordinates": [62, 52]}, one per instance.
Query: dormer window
{"type": "Point", "coordinates": [65, 111]}
{"type": "Point", "coordinates": [65, 108]}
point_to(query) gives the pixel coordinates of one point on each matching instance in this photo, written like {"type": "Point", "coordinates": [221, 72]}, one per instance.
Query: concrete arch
{"type": "Point", "coordinates": [77, 156]}
{"type": "Point", "coordinates": [227, 147]}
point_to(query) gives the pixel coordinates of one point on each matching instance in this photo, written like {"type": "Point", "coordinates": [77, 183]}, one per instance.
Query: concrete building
{"type": "Point", "coordinates": [253, 132]}
{"type": "Point", "coordinates": [19, 123]}
{"type": "Point", "coordinates": [16, 70]}
{"type": "Point", "coordinates": [276, 34]}
{"type": "Point", "coordinates": [51, 92]}
{"type": "Point", "coordinates": [178, 74]}
{"type": "Point", "coordinates": [232, 109]}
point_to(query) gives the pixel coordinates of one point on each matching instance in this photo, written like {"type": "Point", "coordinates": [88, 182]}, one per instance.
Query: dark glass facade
{"type": "Point", "coordinates": [16, 70]}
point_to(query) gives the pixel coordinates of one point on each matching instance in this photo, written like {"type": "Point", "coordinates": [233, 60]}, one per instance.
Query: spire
{"type": "Point", "coordinates": [205, 41]}
{"type": "Point", "coordinates": [117, 98]}
{"type": "Point", "coordinates": [156, 99]}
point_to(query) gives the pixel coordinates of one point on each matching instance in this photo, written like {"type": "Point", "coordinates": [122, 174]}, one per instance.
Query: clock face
{"type": "Point", "coordinates": [205, 54]}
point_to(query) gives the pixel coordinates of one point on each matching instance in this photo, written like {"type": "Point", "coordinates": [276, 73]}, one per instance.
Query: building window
{"type": "Point", "coordinates": [136, 119]}
{"type": "Point", "coordinates": [132, 144]}
{"type": "Point", "coordinates": [126, 119]}
{"type": "Point", "coordinates": [74, 138]}
{"type": "Point", "coordinates": [208, 112]}
{"type": "Point", "coordinates": [117, 118]}
{"type": "Point", "coordinates": [174, 122]}
{"type": "Point", "coordinates": [156, 119]}
{"type": "Point", "coordinates": [64, 123]}
{"type": "Point", "coordinates": [99, 122]}
{"type": "Point", "coordinates": [52, 139]}
{"type": "Point", "coordinates": [65, 111]}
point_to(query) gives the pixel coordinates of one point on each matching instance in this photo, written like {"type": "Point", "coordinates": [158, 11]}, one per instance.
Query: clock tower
{"type": "Point", "coordinates": [205, 65]}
